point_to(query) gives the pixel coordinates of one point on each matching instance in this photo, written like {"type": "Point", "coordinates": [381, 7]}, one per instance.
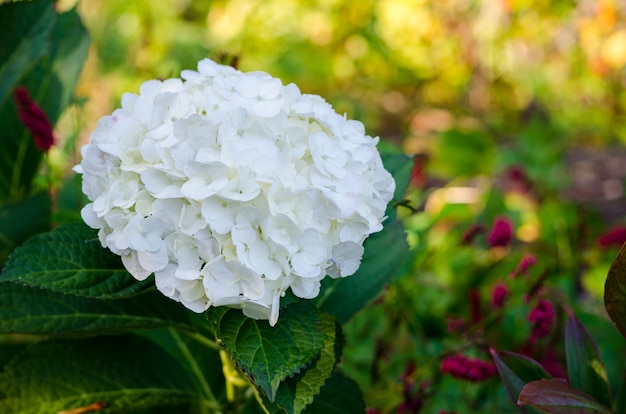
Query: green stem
{"type": "Point", "coordinates": [203, 340]}
{"type": "Point", "coordinates": [195, 368]}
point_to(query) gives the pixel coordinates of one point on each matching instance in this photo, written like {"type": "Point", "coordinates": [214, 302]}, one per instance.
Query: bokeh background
{"type": "Point", "coordinates": [409, 69]}
{"type": "Point", "coordinates": [513, 108]}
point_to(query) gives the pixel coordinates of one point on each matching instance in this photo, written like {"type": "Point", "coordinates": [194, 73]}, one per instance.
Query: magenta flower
{"type": "Point", "coordinates": [499, 294]}
{"type": "Point", "coordinates": [542, 318]}
{"type": "Point", "coordinates": [469, 369]}
{"type": "Point", "coordinates": [615, 237]}
{"type": "Point", "coordinates": [34, 119]}
{"type": "Point", "coordinates": [501, 233]}
{"type": "Point", "coordinates": [525, 263]}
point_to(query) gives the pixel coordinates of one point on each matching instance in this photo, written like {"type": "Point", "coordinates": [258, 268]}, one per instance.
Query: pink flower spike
{"type": "Point", "coordinates": [501, 233]}
{"type": "Point", "coordinates": [34, 119]}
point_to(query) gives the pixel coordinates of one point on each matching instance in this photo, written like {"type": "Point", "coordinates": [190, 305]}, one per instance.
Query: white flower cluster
{"type": "Point", "coordinates": [232, 188]}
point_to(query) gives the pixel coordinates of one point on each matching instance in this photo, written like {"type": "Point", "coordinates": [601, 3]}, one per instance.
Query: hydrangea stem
{"type": "Point", "coordinates": [203, 340]}
{"type": "Point", "coordinates": [213, 403]}
{"type": "Point", "coordinates": [234, 379]}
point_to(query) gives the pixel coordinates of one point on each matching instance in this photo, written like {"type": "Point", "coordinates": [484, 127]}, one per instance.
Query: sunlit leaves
{"type": "Point", "coordinates": [297, 392]}
{"type": "Point", "coordinates": [270, 354]}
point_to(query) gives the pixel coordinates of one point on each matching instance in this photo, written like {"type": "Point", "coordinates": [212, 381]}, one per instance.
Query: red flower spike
{"type": "Point", "coordinates": [499, 294]}
{"type": "Point", "coordinates": [615, 237]}
{"type": "Point", "coordinates": [34, 119]}
{"type": "Point", "coordinates": [501, 233]}
{"type": "Point", "coordinates": [527, 262]}
{"type": "Point", "coordinates": [469, 369]}
{"type": "Point", "coordinates": [542, 317]}
{"type": "Point", "coordinates": [475, 310]}
{"type": "Point", "coordinates": [418, 177]}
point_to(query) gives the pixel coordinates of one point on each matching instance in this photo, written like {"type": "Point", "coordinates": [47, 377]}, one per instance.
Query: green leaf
{"type": "Point", "coordinates": [30, 310]}
{"type": "Point", "coordinates": [22, 219]}
{"type": "Point", "coordinates": [24, 39]}
{"type": "Point", "coordinates": [53, 80]}
{"type": "Point", "coordinates": [556, 396]}
{"type": "Point", "coordinates": [385, 252]}
{"type": "Point", "coordinates": [50, 77]}
{"type": "Point", "coordinates": [340, 395]}
{"type": "Point", "coordinates": [71, 260]}
{"type": "Point", "coordinates": [615, 291]}
{"type": "Point", "coordinates": [399, 166]}
{"type": "Point", "coordinates": [202, 361]}
{"type": "Point", "coordinates": [296, 392]}
{"type": "Point", "coordinates": [515, 371]}
{"type": "Point", "coordinates": [123, 373]}
{"type": "Point", "coordinates": [620, 401]}
{"type": "Point", "coordinates": [268, 354]}
{"type": "Point", "coordinates": [584, 367]}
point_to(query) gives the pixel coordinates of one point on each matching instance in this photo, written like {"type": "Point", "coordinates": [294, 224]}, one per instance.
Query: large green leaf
{"type": "Point", "coordinates": [55, 55]}
{"type": "Point", "coordinates": [400, 166]}
{"type": "Point", "coordinates": [24, 38]}
{"type": "Point", "coordinates": [585, 369]}
{"type": "Point", "coordinates": [202, 361]}
{"type": "Point", "coordinates": [515, 371]}
{"type": "Point", "coordinates": [53, 80]}
{"type": "Point", "coordinates": [122, 373]}
{"type": "Point", "coordinates": [615, 291]}
{"type": "Point", "coordinates": [22, 219]}
{"type": "Point", "coordinates": [31, 310]}
{"type": "Point", "coordinates": [340, 395]}
{"type": "Point", "coordinates": [268, 354]}
{"type": "Point", "coordinates": [70, 259]}
{"type": "Point", "coordinates": [556, 396]}
{"type": "Point", "coordinates": [385, 252]}
{"type": "Point", "coordinates": [296, 392]}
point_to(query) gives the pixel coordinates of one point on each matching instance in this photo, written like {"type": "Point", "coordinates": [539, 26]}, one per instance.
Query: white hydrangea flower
{"type": "Point", "coordinates": [232, 188]}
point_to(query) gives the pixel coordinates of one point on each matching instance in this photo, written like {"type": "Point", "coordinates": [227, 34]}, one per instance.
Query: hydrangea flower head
{"type": "Point", "coordinates": [232, 188]}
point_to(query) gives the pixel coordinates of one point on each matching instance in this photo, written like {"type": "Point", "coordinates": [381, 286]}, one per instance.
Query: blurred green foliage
{"type": "Point", "coordinates": [493, 95]}
{"type": "Point", "coordinates": [390, 63]}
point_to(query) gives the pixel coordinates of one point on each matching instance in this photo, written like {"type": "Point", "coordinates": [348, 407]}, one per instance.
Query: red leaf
{"type": "Point", "coordinates": [556, 396]}
{"type": "Point", "coordinates": [615, 291]}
